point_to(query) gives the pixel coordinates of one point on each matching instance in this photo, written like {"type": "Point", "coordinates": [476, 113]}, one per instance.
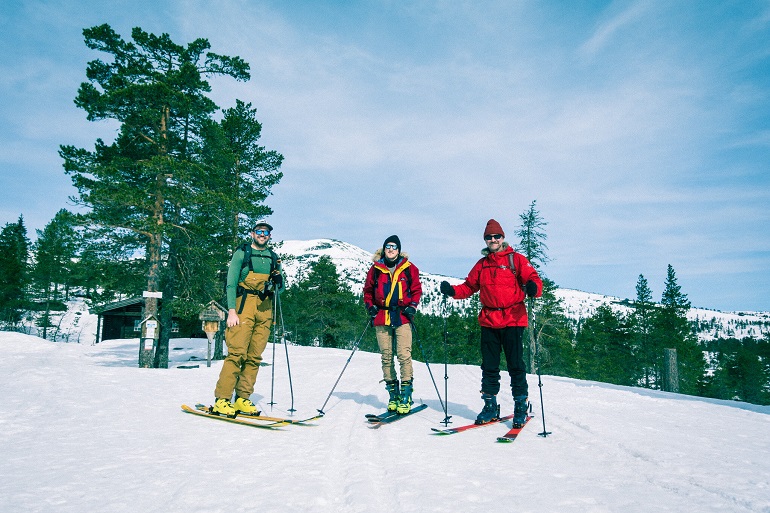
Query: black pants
{"type": "Point", "coordinates": [510, 341]}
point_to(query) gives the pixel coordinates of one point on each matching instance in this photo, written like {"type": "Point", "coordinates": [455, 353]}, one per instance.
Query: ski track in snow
{"type": "Point", "coordinates": [84, 430]}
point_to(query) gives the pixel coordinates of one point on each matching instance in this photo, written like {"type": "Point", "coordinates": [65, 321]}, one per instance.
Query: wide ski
{"type": "Point", "coordinates": [388, 417]}
{"type": "Point", "coordinates": [460, 429]}
{"type": "Point", "coordinates": [511, 435]}
{"type": "Point", "coordinates": [235, 420]}
{"type": "Point", "coordinates": [259, 416]}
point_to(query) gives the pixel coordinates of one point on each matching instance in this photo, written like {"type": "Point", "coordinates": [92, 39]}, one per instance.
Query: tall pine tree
{"type": "Point", "coordinates": [14, 272]}
{"type": "Point", "coordinates": [150, 191]}
{"type": "Point", "coordinates": [673, 330]}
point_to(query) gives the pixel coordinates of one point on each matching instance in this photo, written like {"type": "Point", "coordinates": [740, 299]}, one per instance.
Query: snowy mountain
{"type": "Point", "coordinates": [78, 325]}
{"type": "Point", "coordinates": [84, 430]}
{"type": "Point", "coordinates": [353, 262]}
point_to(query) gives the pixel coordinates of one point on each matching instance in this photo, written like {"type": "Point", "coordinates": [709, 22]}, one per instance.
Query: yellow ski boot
{"type": "Point", "coordinates": [245, 406]}
{"type": "Point", "coordinates": [223, 407]}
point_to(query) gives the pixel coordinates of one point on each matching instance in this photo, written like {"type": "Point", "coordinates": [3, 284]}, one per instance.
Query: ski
{"type": "Point", "coordinates": [393, 416]}
{"type": "Point", "coordinates": [511, 435]}
{"type": "Point", "coordinates": [235, 420]}
{"type": "Point", "coordinates": [375, 417]}
{"type": "Point", "coordinates": [259, 416]}
{"type": "Point", "coordinates": [460, 429]}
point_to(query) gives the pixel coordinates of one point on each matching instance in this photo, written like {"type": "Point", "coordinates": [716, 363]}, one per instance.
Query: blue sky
{"type": "Point", "coordinates": [641, 128]}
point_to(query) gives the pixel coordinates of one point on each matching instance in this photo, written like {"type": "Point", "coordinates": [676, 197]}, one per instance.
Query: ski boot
{"type": "Point", "coordinates": [392, 388]}
{"type": "Point", "coordinates": [491, 410]}
{"type": "Point", "coordinates": [223, 407]}
{"type": "Point", "coordinates": [245, 406]}
{"type": "Point", "coordinates": [520, 409]}
{"type": "Point", "coordinates": [405, 399]}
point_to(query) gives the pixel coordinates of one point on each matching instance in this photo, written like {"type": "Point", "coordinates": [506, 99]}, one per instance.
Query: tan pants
{"type": "Point", "coordinates": [403, 336]}
{"type": "Point", "coordinates": [246, 342]}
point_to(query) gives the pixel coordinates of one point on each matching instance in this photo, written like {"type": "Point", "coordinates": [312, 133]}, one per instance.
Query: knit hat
{"type": "Point", "coordinates": [493, 227]}
{"type": "Point", "coordinates": [394, 239]}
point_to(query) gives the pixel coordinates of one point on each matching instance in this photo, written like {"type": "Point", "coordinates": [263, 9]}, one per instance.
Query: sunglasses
{"type": "Point", "coordinates": [494, 236]}
{"type": "Point", "coordinates": [391, 246]}
{"type": "Point", "coordinates": [266, 233]}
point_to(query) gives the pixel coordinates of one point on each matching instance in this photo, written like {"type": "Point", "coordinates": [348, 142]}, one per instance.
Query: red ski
{"type": "Point", "coordinates": [459, 429]}
{"type": "Point", "coordinates": [511, 435]}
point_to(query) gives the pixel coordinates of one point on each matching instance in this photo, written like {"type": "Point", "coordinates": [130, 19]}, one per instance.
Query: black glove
{"type": "Point", "coordinates": [277, 280]}
{"type": "Point", "coordinates": [372, 311]}
{"type": "Point", "coordinates": [447, 289]}
{"type": "Point", "coordinates": [409, 311]}
{"type": "Point", "coordinates": [531, 288]}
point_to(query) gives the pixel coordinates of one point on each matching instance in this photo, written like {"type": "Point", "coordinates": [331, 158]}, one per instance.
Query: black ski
{"type": "Point", "coordinates": [391, 416]}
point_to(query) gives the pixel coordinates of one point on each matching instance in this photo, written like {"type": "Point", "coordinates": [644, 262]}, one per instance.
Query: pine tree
{"type": "Point", "coordinates": [673, 330]}
{"type": "Point", "coordinates": [642, 319]}
{"type": "Point", "coordinates": [55, 251]}
{"type": "Point", "coordinates": [603, 348]}
{"type": "Point", "coordinates": [320, 308]}
{"type": "Point", "coordinates": [157, 184]}
{"type": "Point", "coordinates": [532, 245]}
{"type": "Point", "coordinates": [532, 237]}
{"type": "Point", "coordinates": [14, 272]}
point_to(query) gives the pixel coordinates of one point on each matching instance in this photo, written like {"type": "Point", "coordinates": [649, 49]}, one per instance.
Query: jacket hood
{"type": "Point", "coordinates": [504, 249]}
{"type": "Point", "coordinates": [377, 256]}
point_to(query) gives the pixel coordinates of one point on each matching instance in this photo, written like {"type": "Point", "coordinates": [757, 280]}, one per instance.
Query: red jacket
{"type": "Point", "coordinates": [502, 291]}
{"type": "Point", "coordinates": [379, 290]}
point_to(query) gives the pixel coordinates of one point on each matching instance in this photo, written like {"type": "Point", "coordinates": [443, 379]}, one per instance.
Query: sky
{"type": "Point", "coordinates": [641, 129]}
{"type": "Point", "coordinates": [129, 447]}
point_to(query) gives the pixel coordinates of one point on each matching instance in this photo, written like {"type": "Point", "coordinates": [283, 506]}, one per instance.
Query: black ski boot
{"type": "Point", "coordinates": [392, 388]}
{"type": "Point", "coordinates": [520, 409]}
{"type": "Point", "coordinates": [491, 409]}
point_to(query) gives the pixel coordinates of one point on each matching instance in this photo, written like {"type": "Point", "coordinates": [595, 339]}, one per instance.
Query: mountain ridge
{"type": "Point", "coordinates": [353, 263]}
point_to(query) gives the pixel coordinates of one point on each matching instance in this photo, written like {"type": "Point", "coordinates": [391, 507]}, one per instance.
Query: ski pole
{"type": "Point", "coordinates": [414, 330]}
{"type": "Point", "coordinates": [272, 365]}
{"type": "Point", "coordinates": [533, 333]}
{"type": "Point", "coordinates": [446, 420]}
{"type": "Point", "coordinates": [355, 347]}
{"type": "Point", "coordinates": [286, 349]}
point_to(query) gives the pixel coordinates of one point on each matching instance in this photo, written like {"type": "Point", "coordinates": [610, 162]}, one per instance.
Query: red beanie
{"type": "Point", "coordinates": [493, 227]}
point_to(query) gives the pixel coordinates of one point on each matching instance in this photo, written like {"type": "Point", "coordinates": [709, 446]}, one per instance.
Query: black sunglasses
{"type": "Point", "coordinates": [494, 236]}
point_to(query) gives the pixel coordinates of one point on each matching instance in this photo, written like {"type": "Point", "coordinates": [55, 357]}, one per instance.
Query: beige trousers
{"type": "Point", "coordinates": [403, 338]}
{"type": "Point", "coordinates": [245, 342]}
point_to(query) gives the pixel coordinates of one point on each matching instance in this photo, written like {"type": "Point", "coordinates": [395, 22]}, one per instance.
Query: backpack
{"type": "Point", "coordinates": [246, 248]}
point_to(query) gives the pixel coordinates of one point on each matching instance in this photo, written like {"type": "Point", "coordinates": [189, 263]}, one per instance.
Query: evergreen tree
{"type": "Point", "coordinates": [14, 272]}
{"type": "Point", "coordinates": [532, 245]}
{"type": "Point", "coordinates": [603, 348]}
{"type": "Point", "coordinates": [55, 251]}
{"type": "Point", "coordinates": [157, 184]}
{"type": "Point", "coordinates": [642, 319]}
{"type": "Point", "coordinates": [320, 309]}
{"type": "Point", "coordinates": [673, 330]}
{"type": "Point", "coordinates": [532, 237]}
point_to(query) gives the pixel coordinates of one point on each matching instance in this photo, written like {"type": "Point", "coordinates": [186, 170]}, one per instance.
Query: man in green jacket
{"type": "Point", "coordinates": [254, 276]}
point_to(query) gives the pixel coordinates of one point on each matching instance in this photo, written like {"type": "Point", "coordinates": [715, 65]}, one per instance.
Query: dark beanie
{"type": "Point", "coordinates": [394, 239]}
{"type": "Point", "coordinates": [493, 227]}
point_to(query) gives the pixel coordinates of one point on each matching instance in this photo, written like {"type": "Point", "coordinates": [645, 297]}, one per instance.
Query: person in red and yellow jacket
{"type": "Point", "coordinates": [504, 278]}
{"type": "Point", "coordinates": [392, 292]}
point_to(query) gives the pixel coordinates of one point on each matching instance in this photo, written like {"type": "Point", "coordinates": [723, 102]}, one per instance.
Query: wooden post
{"type": "Point", "coordinates": [670, 371]}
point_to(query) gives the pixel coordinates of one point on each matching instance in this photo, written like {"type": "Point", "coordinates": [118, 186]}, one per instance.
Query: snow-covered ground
{"type": "Point", "coordinates": [82, 429]}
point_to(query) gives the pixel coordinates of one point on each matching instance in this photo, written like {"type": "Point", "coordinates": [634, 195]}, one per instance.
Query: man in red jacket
{"type": "Point", "coordinates": [504, 278]}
